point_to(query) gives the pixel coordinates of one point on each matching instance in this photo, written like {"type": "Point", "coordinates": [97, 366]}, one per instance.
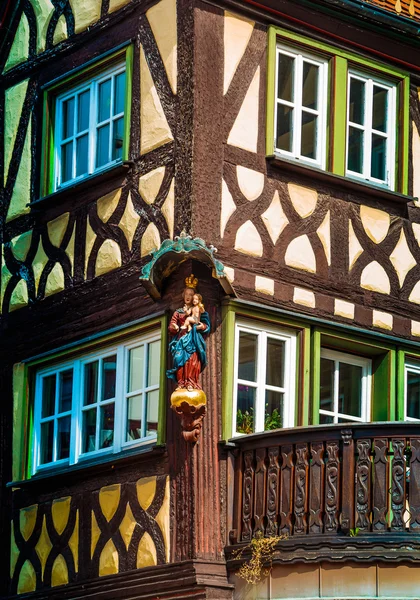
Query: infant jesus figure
{"type": "Point", "coordinates": [194, 313]}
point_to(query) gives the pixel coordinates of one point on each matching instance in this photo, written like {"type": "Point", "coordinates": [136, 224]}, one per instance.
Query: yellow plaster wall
{"type": "Point", "coordinates": [86, 12]}
{"type": "Point", "coordinates": [43, 11]}
{"type": "Point", "coordinates": [14, 99]}
{"type": "Point", "coordinates": [19, 51]}
{"type": "Point", "coordinates": [162, 19]}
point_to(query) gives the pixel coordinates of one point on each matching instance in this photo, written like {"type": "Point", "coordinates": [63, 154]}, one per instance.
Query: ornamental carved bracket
{"type": "Point", "coordinates": [171, 254]}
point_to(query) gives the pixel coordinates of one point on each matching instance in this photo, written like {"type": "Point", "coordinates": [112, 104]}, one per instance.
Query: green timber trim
{"type": "Point", "coordinates": [384, 387]}
{"type": "Point", "coordinates": [403, 134]}
{"type": "Point", "coordinates": [129, 57]}
{"type": "Point", "coordinates": [161, 433]}
{"type": "Point", "coordinates": [271, 92]}
{"type": "Point", "coordinates": [303, 377]}
{"type": "Point", "coordinates": [401, 358]}
{"type": "Point", "coordinates": [338, 115]}
{"type": "Point", "coordinates": [228, 369]}
{"type": "Point", "coordinates": [316, 375]}
{"type": "Point", "coordinates": [21, 424]}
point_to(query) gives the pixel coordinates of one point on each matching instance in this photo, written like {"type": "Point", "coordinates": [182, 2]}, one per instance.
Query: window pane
{"type": "Point", "coordinates": [82, 148]}
{"type": "Point", "coordinates": [83, 111]}
{"type": "Point", "coordinates": [152, 412]}
{"type": "Point", "coordinates": [135, 369]}
{"type": "Point", "coordinates": [104, 100]}
{"type": "Point", "coordinates": [247, 368]}
{"type": "Point", "coordinates": [102, 146]}
{"type": "Point", "coordinates": [326, 395]}
{"type": "Point", "coordinates": [153, 371]}
{"type": "Point", "coordinates": [68, 118]}
{"type": "Point", "coordinates": [66, 389]}
{"type": "Point", "coordinates": [285, 77]}
{"type": "Point", "coordinates": [89, 431]}
{"type": "Point", "coordinates": [350, 389]}
{"type": "Point", "coordinates": [357, 102]}
{"type": "Point", "coordinates": [134, 414]}
{"type": "Point", "coordinates": [355, 157]}
{"type": "Point", "coordinates": [119, 94]}
{"type": "Point", "coordinates": [273, 418]}
{"type": "Point", "coordinates": [380, 107]}
{"type": "Point", "coordinates": [67, 162]}
{"type": "Point", "coordinates": [413, 395]}
{"type": "Point", "coordinates": [275, 362]}
{"type": "Point", "coordinates": [118, 138]}
{"type": "Point", "coordinates": [310, 86]}
{"type": "Point", "coordinates": [106, 427]}
{"type": "Point", "coordinates": [47, 442]}
{"type": "Point", "coordinates": [309, 131]}
{"type": "Point", "coordinates": [284, 138]}
{"type": "Point", "coordinates": [109, 370]}
{"type": "Point", "coordinates": [48, 396]}
{"type": "Point", "coordinates": [63, 438]}
{"type": "Point", "coordinates": [245, 409]}
{"type": "Point", "coordinates": [378, 160]}
{"type": "Point", "coordinates": [91, 383]}
{"type": "Point", "coordinates": [325, 419]}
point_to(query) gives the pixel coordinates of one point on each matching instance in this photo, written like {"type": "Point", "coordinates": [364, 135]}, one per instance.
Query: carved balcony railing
{"type": "Point", "coordinates": [338, 491]}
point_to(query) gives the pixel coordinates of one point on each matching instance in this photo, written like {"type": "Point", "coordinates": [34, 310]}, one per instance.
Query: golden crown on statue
{"type": "Point", "coordinates": [191, 282]}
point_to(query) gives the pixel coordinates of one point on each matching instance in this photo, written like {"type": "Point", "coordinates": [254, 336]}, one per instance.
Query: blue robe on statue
{"type": "Point", "coordinates": [183, 347]}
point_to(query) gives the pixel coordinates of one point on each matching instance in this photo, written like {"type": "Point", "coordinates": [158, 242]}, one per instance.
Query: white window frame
{"type": "Point", "coordinates": [92, 85]}
{"type": "Point", "coordinates": [368, 130]}
{"type": "Point", "coordinates": [409, 367]}
{"type": "Point", "coordinates": [359, 361]}
{"type": "Point", "coordinates": [76, 455]}
{"type": "Point", "coordinates": [298, 109]}
{"type": "Point", "coordinates": [263, 333]}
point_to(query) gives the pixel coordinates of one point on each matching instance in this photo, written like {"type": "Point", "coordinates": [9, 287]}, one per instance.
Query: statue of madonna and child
{"type": "Point", "coordinates": [188, 348]}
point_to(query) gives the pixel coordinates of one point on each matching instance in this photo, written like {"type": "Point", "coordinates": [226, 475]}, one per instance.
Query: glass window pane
{"type": "Point", "coordinates": [83, 106]}
{"type": "Point", "coordinates": [109, 371]}
{"type": "Point", "coordinates": [89, 431]}
{"type": "Point", "coordinates": [82, 149]}
{"type": "Point", "coordinates": [118, 138]}
{"type": "Point", "coordinates": [134, 414]}
{"type": "Point", "coordinates": [378, 159]}
{"type": "Point", "coordinates": [355, 155]}
{"type": "Point", "coordinates": [68, 118]}
{"type": "Point", "coordinates": [310, 86]}
{"type": "Point", "coordinates": [67, 162]}
{"type": "Point", "coordinates": [63, 437]}
{"type": "Point", "coordinates": [275, 362]}
{"type": "Point", "coordinates": [153, 370]}
{"type": "Point", "coordinates": [48, 396]}
{"type": "Point", "coordinates": [284, 138]}
{"type": "Point", "coordinates": [273, 418]}
{"type": "Point", "coordinates": [285, 77]}
{"type": "Point", "coordinates": [104, 100]}
{"type": "Point", "coordinates": [102, 146]}
{"type": "Point", "coordinates": [357, 102]}
{"type": "Point", "coordinates": [106, 427]}
{"type": "Point", "coordinates": [119, 94]}
{"type": "Point", "coordinates": [135, 369]}
{"type": "Point", "coordinates": [309, 135]}
{"type": "Point", "coordinates": [247, 368]}
{"type": "Point", "coordinates": [47, 442]}
{"type": "Point", "coordinates": [326, 395]}
{"type": "Point", "coordinates": [66, 390]}
{"type": "Point", "coordinates": [91, 383]}
{"type": "Point", "coordinates": [380, 108]}
{"type": "Point", "coordinates": [245, 409]}
{"type": "Point", "coordinates": [350, 389]}
{"type": "Point", "coordinates": [325, 419]}
{"type": "Point", "coordinates": [413, 395]}
{"type": "Point", "coordinates": [152, 412]}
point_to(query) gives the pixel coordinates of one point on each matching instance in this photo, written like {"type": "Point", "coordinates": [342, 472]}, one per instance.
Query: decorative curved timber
{"type": "Point", "coordinates": [174, 252]}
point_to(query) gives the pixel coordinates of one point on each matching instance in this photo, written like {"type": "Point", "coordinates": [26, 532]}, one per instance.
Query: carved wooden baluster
{"type": "Point", "coordinates": [347, 511]}
{"type": "Point", "coordinates": [316, 488]}
{"type": "Point", "coordinates": [414, 485]}
{"type": "Point", "coordinates": [259, 491]}
{"type": "Point", "coordinates": [332, 492]}
{"type": "Point", "coordinates": [380, 485]}
{"type": "Point", "coordinates": [286, 489]}
{"type": "Point", "coordinates": [363, 485]}
{"type": "Point", "coordinates": [272, 490]}
{"type": "Point", "coordinates": [398, 485]}
{"type": "Point", "coordinates": [301, 489]}
{"type": "Point", "coordinates": [247, 497]}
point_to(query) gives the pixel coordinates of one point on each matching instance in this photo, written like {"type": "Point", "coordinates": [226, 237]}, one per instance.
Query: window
{"type": "Point", "coordinates": [265, 365]}
{"type": "Point", "coordinates": [412, 392]}
{"type": "Point", "coordinates": [344, 387]}
{"type": "Point", "coordinates": [97, 404]}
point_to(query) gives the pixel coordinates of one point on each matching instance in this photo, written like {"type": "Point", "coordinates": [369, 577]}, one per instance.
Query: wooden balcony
{"type": "Point", "coordinates": [338, 492]}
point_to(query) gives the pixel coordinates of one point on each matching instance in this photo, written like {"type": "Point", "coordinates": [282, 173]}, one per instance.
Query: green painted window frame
{"type": "Point", "coordinates": [24, 375]}
{"type": "Point", "coordinates": [403, 356]}
{"type": "Point", "coordinates": [76, 77]}
{"type": "Point", "coordinates": [339, 62]}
